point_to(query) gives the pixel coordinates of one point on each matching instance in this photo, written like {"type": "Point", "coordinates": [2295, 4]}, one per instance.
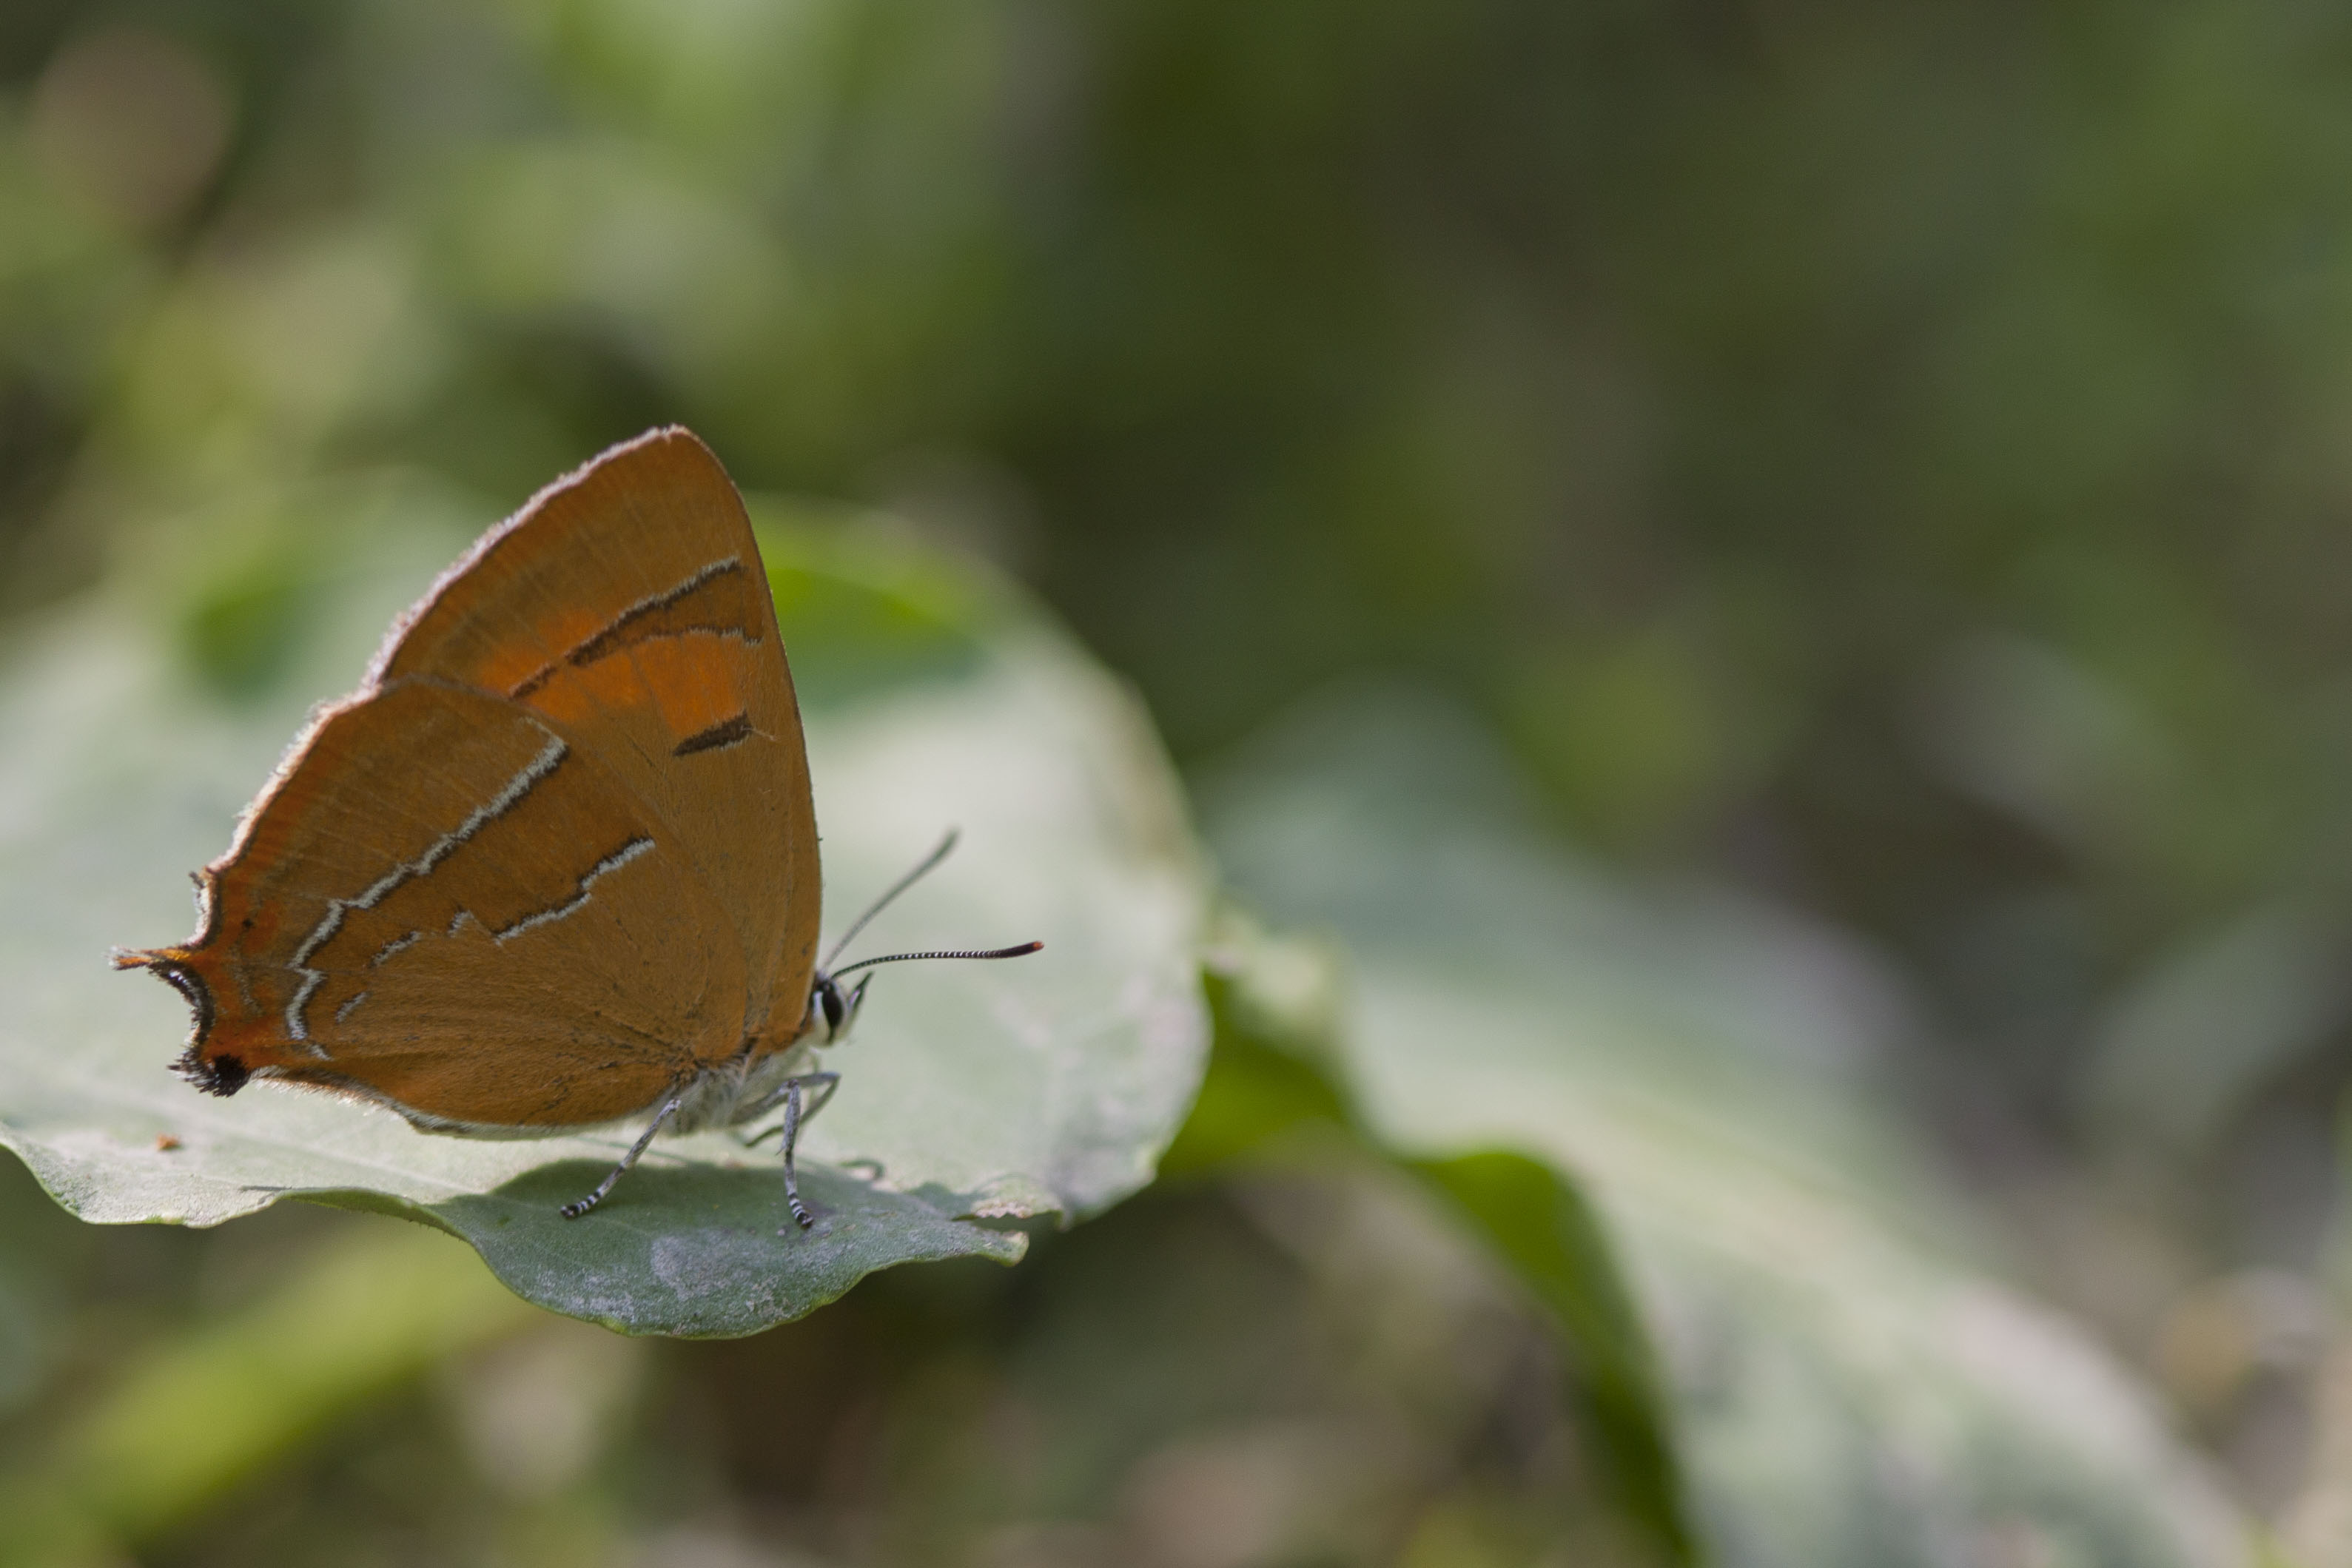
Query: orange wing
{"type": "Point", "coordinates": [445, 905]}
{"type": "Point", "coordinates": [627, 602]}
{"type": "Point", "coordinates": [558, 853]}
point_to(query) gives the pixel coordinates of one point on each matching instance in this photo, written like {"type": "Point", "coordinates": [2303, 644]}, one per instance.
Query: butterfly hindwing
{"type": "Point", "coordinates": [445, 905]}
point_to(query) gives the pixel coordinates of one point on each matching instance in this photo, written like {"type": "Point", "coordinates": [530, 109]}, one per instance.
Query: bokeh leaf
{"type": "Point", "coordinates": [1849, 1383]}
{"type": "Point", "coordinates": [1544, 1229]}
{"type": "Point", "coordinates": [973, 1094]}
{"type": "Point", "coordinates": [1277, 1070]}
{"type": "Point", "coordinates": [185, 1420]}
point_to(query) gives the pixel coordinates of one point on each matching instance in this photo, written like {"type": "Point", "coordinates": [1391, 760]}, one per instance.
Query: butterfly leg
{"type": "Point", "coordinates": [829, 1082]}
{"type": "Point", "coordinates": [824, 1084]}
{"type": "Point", "coordinates": [575, 1209]}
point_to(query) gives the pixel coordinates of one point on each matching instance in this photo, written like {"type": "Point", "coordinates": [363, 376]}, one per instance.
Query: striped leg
{"type": "Point", "coordinates": [579, 1206]}
{"type": "Point", "coordinates": [794, 1117]}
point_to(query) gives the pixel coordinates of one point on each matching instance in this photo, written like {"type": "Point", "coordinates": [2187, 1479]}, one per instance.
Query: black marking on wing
{"type": "Point", "coordinates": [725, 732]}
{"type": "Point", "coordinates": [621, 630]}
{"type": "Point", "coordinates": [183, 979]}
{"type": "Point", "coordinates": [222, 1075]}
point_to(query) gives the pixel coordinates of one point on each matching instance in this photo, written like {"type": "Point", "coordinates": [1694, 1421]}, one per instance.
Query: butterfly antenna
{"type": "Point", "coordinates": [879, 904]}
{"type": "Point", "coordinates": [945, 953]}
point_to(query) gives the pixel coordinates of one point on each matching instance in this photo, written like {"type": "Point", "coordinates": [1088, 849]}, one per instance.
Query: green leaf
{"type": "Point", "coordinates": [974, 1095]}
{"type": "Point", "coordinates": [1849, 1383]}
{"type": "Point", "coordinates": [1541, 1225]}
{"type": "Point", "coordinates": [1277, 1066]}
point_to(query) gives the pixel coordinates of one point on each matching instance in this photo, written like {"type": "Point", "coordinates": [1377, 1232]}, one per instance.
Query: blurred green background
{"type": "Point", "coordinates": [1892, 461]}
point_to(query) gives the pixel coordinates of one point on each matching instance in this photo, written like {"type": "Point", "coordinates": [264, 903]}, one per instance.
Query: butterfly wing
{"type": "Point", "coordinates": [626, 604]}
{"type": "Point", "coordinates": [443, 904]}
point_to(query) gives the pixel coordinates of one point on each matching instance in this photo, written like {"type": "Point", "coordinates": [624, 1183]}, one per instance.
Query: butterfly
{"type": "Point", "coordinates": [554, 865]}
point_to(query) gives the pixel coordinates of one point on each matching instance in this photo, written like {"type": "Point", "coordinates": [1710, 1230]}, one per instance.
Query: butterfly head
{"type": "Point", "coordinates": [833, 1010]}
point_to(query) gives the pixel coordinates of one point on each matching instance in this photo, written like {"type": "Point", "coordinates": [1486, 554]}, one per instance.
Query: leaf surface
{"type": "Point", "coordinates": [1849, 1383]}
{"type": "Point", "coordinates": [972, 1095]}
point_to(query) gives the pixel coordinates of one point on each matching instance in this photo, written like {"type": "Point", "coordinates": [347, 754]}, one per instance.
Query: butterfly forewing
{"type": "Point", "coordinates": [627, 603]}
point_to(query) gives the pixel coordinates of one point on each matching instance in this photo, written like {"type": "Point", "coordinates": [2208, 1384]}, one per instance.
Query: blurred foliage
{"type": "Point", "coordinates": [1886, 459]}
{"type": "Point", "coordinates": [1272, 1079]}
{"type": "Point", "coordinates": [1391, 1402]}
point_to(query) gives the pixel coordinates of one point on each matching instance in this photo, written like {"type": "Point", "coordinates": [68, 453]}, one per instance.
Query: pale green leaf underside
{"type": "Point", "coordinates": [971, 1093]}
{"type": "Point", "coordinates": [1848, 1388]}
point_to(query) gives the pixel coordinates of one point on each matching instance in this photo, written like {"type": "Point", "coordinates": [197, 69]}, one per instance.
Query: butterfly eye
{"type": "Point", "coordinates": [828, 996]}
